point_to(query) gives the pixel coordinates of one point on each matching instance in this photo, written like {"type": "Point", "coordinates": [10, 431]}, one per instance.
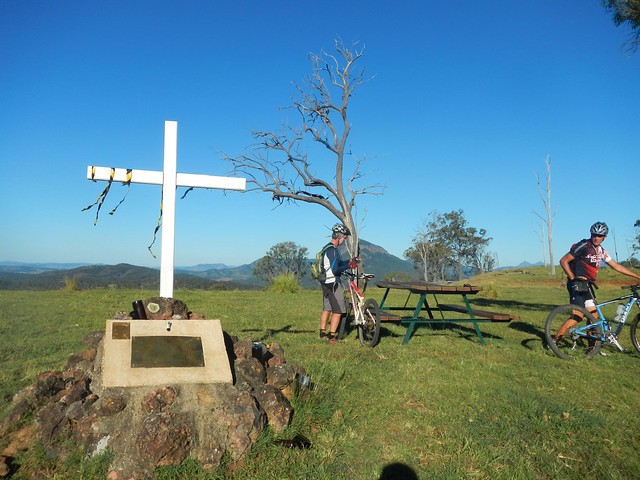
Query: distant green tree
{"type": "Point", "coordinates": [430, 255]}
{"type": "Point", "coordinates": [397, 277]}
{"type": "Point", "coordinates": [463, 241]}
{"type": "Point", "coordinates": [636, 244]}
{"type": "Point", "coordinates": [446, 241]}
{"type": "Point", "coordinates": [626, 12]}
{"type": "Point", "coordinates": [283, 259]}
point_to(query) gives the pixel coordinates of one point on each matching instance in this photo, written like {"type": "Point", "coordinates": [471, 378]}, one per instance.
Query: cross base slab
{"type": "Point", "coordinates": [159, 352]}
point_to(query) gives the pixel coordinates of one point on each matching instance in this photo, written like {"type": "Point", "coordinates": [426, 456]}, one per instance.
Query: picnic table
{"type": "Point", "coordinates": [418, 311]}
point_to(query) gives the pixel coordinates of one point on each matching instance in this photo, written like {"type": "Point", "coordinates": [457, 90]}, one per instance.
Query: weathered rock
{"type": "Point", "coordinates": [165, 438]}
{"type": "Point", "coordinates": [275, 405]}
{"type": "Point", "coordinates": [20, 440]}
{"type": "Point", "coordinates": [232, 422]}
{"type": "Point", "coordinates": [5, 465]}
{"type": "Point", "coordinates": [243, 349]}
{"type": "Point", "coordinates": [76, 387]}
{"type": "Point", "coordinates": [110, 404]}
{"type": "Point", "coordinates": [87, 355]}
{"type": "Point", "coordinates": [250, 371]}
{"type": "Point", "coordinates": [23, 404]}
{"type": "Point", "coordinates": [93, 339]}
{"type": "Point", "coordinates": [50, 420]}
{"type": "Point", "coordinates": [281, 375]}
{"type": "Point", "coordinates": [163, 308]}
{"type": "Point", "coordinates": [47, 385]}
{"type": "Point", "coordinates": [272, 361]}
{"type": "Point", "coordinates": [157, 400]}
{"type": "Point", "coordinates": [276, 350]}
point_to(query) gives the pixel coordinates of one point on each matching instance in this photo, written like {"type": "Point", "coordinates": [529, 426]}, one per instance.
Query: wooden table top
{"type": "Point", "coordinates": [427, 287]}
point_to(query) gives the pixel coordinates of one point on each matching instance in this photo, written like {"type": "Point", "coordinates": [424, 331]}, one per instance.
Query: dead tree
{"type": "Point", "coordinates": [549, 216]}
{"type": "Point", "coordinates": [280, 162]}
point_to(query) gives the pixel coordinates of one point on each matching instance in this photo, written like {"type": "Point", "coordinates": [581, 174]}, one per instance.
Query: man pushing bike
{"type": "Point", "coordinates": [581, 265]}
{"type": "Point", "coordinates": [332, 266]}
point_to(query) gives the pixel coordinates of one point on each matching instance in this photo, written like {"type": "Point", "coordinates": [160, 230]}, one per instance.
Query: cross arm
{"type": "Point", "coordinates": [152, 177]}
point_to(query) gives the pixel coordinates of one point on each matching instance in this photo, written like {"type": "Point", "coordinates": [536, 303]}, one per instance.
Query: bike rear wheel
{"type": "Point", "coordinates": [369, 333]}
{"type": "Point", "coordinates": [572, 344]}
{"type": "Point", "coordinates": [635, 333]}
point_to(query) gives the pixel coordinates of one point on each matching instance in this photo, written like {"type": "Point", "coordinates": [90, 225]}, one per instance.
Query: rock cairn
{"type": "Point", "coordinates": [148, 427]}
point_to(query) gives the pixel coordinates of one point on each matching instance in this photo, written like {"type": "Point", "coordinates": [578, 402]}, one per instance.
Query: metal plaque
{"type": "Point", "coordinates": [120, 331]}
{"type": "Point", "coordinates": [166, 351]}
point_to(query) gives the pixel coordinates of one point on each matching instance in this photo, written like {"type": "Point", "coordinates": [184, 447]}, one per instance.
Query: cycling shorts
{"type": "Point", "coordinates": [580, 294]}
{"type": "Point", "coordinates": [333, 298]}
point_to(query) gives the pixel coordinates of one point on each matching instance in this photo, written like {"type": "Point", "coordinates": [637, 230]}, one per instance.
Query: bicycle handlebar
{"type": "Point", "coordinates": [366, 276]}
{"type": "Point", "coordinates": [634, 288]}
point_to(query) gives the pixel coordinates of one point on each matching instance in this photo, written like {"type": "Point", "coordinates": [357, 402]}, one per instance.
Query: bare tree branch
{"type": "Point", "coordinates": [322, 106]}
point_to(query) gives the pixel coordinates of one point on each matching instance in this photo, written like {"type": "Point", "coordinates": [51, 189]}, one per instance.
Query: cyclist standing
{"type": "Point", "coordinates": [581, 265]}
{"type": "Point", "coordinates": [334, 305]}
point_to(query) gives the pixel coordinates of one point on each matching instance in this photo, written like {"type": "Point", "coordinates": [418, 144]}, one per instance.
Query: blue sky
{"type": "Point", "coordinates": [466, 101]}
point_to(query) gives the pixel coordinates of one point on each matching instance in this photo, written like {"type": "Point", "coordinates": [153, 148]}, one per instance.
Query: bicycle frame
{"type": "Point", "coordinates": [607, 330]}
{"type": "Point", "coordinates": [365, 313]}
{"type": "Point", "coordinates": [354, 292]}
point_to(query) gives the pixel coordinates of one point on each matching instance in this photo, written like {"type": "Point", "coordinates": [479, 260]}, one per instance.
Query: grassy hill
{"type": "Point", "coordinates": [442, 406]}
{"type": "Point", "coordinates": [105, 276]}
{"type": "Point", "coordinates": [214, 276]}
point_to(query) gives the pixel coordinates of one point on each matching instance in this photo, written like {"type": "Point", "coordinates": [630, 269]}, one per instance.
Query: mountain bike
{"type": "Point", "coordinates": [586, 339]}
{"type": "Point", "coordinates": [364, 314]}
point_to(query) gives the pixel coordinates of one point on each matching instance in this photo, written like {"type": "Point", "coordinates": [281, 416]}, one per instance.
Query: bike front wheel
{"type": "Point", "coordinates": [369, 332]}
{"type": "Point", "coordinates": [576, 341]}
{"type": "Point", "coordinates": [635, 333]}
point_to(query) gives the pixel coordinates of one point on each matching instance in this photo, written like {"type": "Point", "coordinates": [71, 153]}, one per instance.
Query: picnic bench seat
{"type": "Point", "coordinates": [386, 316]}
{"type": "Point", "coordinates": [416, 313]}
{"type": "Point", "coordinates": [493, 316]}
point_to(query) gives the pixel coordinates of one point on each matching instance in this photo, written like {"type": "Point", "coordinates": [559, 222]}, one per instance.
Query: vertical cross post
{"type": "Point", "coordinates": [169, 185]}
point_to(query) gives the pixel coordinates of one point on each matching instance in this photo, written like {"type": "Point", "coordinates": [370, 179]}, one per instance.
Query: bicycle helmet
{"type": "Point", "coordinates": [339, 228]}
{"type": "Point", "coordinates": [599, 228]}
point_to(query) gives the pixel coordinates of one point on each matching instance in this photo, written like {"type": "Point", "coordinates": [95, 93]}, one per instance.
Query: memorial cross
{"type": "Point", "coordinates": [170, 179]}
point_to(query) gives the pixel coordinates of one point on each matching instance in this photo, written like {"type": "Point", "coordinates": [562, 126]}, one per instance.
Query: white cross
{"type": "Point", "coordinates": [170, 179]}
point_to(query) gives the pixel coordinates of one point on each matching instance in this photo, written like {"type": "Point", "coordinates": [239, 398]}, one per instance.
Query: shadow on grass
{"type": "Point", "coordinates": [464, 331]}
{"type": "Point", "coordinates": [270, 332]}
{"type": "Point", "coordinates": [398, 471]}
{"type": "Point", "coordinates": [530, 343]}
{"type": "Point", "coordinates": [512, 304]}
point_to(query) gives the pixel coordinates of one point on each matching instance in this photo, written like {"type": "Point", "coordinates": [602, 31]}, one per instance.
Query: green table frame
{"type": "Point", "coordinates": [422, 289]}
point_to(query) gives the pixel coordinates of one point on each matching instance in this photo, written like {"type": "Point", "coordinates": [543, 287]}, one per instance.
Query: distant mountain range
{"type": "Point", "coordinates": [523, 265]}
{"type": "Point", "coordinates": [49, 276]}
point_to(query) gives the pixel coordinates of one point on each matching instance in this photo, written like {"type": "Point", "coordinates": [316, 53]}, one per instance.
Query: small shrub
{"type": "Point", "coordinates": [71, 283]}
{"type": "Point", "coordinates": [285, 283]}
{"type": "Point", "coordinates": [490, 292]}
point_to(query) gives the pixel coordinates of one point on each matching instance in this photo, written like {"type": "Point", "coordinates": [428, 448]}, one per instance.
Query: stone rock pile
{"type": "Point", "coordinates": [148, 427]}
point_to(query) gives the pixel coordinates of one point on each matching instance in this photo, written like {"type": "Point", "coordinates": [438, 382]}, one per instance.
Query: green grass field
{"type": "Point", "coordinates": [444, 406]}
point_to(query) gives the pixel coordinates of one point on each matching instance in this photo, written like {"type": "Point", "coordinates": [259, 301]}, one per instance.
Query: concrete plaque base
{"type": "Point", "coordinates": [121, 336]}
